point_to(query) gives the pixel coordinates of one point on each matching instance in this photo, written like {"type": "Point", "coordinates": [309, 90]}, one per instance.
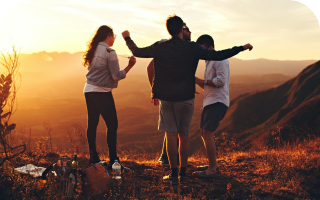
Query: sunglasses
{"type": "Point", "coordinates": [187, 29]}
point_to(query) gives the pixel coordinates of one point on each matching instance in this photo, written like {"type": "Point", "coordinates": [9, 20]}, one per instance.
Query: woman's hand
{"type": "Point", "coordinates": [132, 61]}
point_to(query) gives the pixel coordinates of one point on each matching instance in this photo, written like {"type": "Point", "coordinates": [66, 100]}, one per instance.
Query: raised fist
{"type": "Point", "coordinates": [125, 34]}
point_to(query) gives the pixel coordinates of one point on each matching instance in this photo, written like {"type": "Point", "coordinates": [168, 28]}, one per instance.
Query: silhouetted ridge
{"type": "Point", "coordinates": [295, 103]}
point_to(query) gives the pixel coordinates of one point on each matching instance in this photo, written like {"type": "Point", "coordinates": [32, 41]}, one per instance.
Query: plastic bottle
{"type": "Point", "coordinates": [75, 163]}
{"type": "Point", "coordinates": [116, 170]}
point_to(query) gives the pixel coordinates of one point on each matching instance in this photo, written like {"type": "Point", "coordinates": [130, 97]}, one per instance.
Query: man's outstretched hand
{"type": "Point", "coordinates": [248, 46]}
{"type": "Point", "coordinates": [125, 34]}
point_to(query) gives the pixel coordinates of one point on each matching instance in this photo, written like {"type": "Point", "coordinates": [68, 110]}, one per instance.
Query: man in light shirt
{"type": "Point", "coordinates": [215, 105]}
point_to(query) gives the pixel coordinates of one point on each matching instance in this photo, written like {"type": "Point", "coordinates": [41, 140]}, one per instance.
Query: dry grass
{"type": "Point", "coordinates": [288, 172]}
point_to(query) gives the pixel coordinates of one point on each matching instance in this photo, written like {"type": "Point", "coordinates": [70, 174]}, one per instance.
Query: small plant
{"type": "Point", "coordinates": [49, 128]}
{"type": "Point", "coordinates": [8, 90]}
{"type": "Point", "coordinates": [76, 136]}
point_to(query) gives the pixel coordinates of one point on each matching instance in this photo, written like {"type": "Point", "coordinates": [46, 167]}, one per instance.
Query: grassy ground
{"type": "Point", "coordinates": [288, 172]}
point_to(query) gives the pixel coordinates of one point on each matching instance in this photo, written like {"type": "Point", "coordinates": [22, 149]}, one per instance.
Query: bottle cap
{"type": "Point", "coordinates": [116, 161]}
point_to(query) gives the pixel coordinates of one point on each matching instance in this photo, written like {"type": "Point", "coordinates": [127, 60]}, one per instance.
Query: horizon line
{"type": "Point", "coordinates": [61, 52]}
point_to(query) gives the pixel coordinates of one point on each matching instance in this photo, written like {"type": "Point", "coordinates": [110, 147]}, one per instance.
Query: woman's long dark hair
{"type": "Point", "coordinates": [102, 33]}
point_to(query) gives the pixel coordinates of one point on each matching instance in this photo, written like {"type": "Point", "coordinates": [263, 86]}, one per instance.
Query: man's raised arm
{"type": "Point", "coordinates": [146, 52]}
{"type": "Point", "coordinates": [207, 54]}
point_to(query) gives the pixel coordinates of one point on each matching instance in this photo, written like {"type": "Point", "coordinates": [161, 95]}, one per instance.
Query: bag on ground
{"type": "Point", "coordinates": [96, 180]}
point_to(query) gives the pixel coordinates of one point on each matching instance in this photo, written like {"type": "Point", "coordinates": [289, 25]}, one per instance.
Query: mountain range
{"type": "Point", "coordinates": [52, 84]}
{"type": "Point", "coordinates": [292, 109]}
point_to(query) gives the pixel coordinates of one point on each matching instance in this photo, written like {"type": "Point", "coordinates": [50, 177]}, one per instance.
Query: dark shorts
{"type": "Point", "coordinates": [212, 115]}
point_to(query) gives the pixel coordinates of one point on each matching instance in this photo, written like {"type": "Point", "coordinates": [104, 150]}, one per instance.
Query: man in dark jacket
{"type": "Point", "coordinates": [163, 159]}
{"type": "Point", "coordinates": [175, 64]}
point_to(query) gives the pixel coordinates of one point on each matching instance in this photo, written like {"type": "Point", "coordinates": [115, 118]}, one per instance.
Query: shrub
{"type": "Point", "coordinates": [8, 90]}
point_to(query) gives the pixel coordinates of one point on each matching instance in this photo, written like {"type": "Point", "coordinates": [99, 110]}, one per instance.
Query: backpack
{"type": "Point", "coordinates": [96, 180]}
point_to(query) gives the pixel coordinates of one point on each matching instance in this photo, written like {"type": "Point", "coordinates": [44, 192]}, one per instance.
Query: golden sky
{"type": "Point", "coordinates": [278, 29]}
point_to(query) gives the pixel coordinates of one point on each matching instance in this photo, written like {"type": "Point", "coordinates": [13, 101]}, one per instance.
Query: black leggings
{"type": "Point", "coordinates": [102, 103]}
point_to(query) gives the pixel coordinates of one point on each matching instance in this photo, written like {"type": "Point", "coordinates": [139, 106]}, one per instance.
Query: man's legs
{"type": "Point", "coordinates": [172, 149]}
{"type": "Point", "coordinates": [184, 150]}
{"type": "Point", "coordinates": [163, 159]}
{"type": "Point", "coordinates": [184, 111]}
{"type": "Point", "coordinates": [184, 153]}
{"type": "Point", "coordinates": [167, 123]}
{"type": "Point", "coordinates": [210, 118]}
{"type": "Point", "coordinates": [175, 117]}
{"type": "Point", "coordinates": [208, 141]}
{"type": "Point", "coordinates": [164, 156]}
{"type": "Point", "coordinates": [164, 147]}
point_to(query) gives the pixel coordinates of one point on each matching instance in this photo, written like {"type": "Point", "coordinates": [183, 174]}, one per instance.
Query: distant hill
{"type": "Point", "coordinates": [291, 106]}
{"type": "Point", "coordinates": [45, 61]}
{"type": "Point", "coordinates": [52, 90]}
{"type": "Point", "coordinates": [262, 66]}
{"type": "Point", "coordinates": [266, 66]}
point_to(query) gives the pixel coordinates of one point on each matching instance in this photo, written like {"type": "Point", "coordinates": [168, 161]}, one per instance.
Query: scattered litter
{"type": "Point", "coordinates": [31, 170]}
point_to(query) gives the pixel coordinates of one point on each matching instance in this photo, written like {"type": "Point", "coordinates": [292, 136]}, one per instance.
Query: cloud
{"type": "Point", "coordinates": [72, 11]}
{"type": "Point", "coordinates": [146, 23]}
